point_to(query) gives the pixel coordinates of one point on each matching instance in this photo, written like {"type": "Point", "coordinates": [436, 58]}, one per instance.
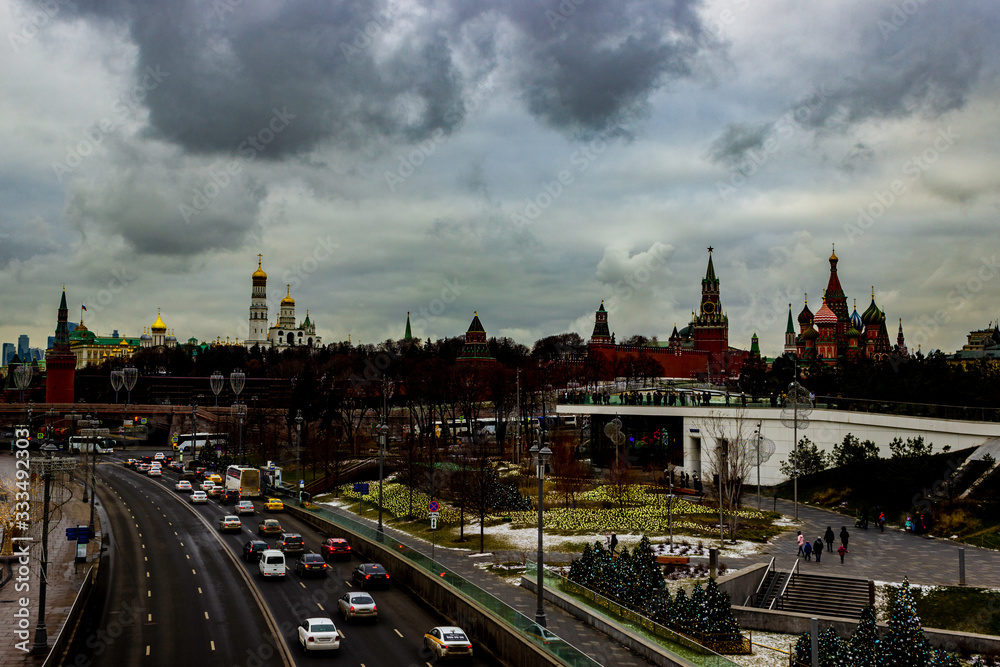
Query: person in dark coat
{"type": "Point", "coordinates": [807, 550]}
{"type": "Point", "coordinates": [818, 548]}
{"type": "Point", "coordinates": [614, 542]}
{"type": "Point", "coordinates": [844, 535]}
{"type": "Point", "coordinates": [829, 537]}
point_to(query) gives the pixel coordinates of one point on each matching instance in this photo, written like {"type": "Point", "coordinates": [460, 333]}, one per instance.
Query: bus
{"type": "Point", "coordinates": [85, 443]}
{"type": "Point", "coordinates": [244, 480]}
{"type": "Point", "coordinates": [188, 443]}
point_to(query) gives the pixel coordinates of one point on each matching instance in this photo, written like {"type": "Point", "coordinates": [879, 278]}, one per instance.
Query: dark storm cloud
{"type": "Point", "coordinates": [349, 70]}
{"type": "Point", "coordinates": [926, 65]}
{"type": "Point", "coordinates": [738, 139]}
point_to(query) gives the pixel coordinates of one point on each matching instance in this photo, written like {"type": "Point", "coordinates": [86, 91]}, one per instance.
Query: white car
{"type": "Point", "coordinates": [271, 563]}
{"type": "Point", "coordinates": [183, 485]}
{"type": "Point", "coordinates": [158, 456]}
{"type": "Point", "coordinates": [198, 497]}
{"type": "Point", "coordinates": [154, 471]}
{"type": "Point", "coordinates": [448, 642]}
{"type": "Point", "coordinates": [207, 485]}
{"type": "Point", "coordinates": [245, 507]}
{"type": "Point", "coordinates": [319, 634]}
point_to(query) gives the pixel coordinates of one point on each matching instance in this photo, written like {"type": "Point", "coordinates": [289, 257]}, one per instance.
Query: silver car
{"type": "Point", "coordinates": [357, 605]}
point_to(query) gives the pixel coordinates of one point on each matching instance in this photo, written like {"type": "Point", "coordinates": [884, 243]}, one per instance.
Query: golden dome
{"type": "Point", "coordinates": [259, 273]}
{"type": "Point", "coordinates": [158, 325]}
{"type": "Point", "coordinates": [288, 300]}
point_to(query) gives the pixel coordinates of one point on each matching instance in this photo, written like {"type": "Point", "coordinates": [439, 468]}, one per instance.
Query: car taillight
{"type": "Point", "coordinates": [368, 576]}
{"type": "Point", "coordinates": [312, 639]}
{"type": "Point", "coordinates": [348, 548]}
{"type": "Point", "coordinates": [386, 575]}
{"type": "Point", "coordinates": [374, 608]}
{"type": "Point", "coordinates": [352, 607]}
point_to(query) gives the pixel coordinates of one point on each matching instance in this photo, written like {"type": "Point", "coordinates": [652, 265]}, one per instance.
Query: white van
{"type": "Point", "coordinates": [272, 563]}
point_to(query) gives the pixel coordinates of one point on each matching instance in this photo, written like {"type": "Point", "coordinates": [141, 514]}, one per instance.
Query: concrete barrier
{"type": "Point", "coordinates": [742, 583]}
{"type": "Point", "coordinates": [482, 625]}
{"type": "Point", "coordinates": [769, 620]}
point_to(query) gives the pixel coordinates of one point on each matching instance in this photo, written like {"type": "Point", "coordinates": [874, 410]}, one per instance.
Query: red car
{"type": "Point", "coordinates": [335, 547]}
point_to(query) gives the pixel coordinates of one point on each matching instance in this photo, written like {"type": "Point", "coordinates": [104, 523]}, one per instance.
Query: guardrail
{"type": "Point", "coordinates": [770, 568]}
{"type": "Point", "coordinates": [784, 588]}
{"type": "Point", "coordinates": [677, 648]}
{"type": "Point", "coordinates": [513, 621]}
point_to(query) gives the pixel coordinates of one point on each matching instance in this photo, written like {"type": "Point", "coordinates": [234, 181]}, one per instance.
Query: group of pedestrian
{"type": "Point", "coordinates": [810, 549]}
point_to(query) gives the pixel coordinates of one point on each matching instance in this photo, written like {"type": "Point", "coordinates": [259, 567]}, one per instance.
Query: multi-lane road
{"type": "Point", "coordinates": [180, 590]}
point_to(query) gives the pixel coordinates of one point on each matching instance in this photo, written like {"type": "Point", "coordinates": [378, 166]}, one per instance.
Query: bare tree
{"type": "Point", "coordinates": [620, 477]}
{"type": "Point", "coordinates": [731, 457]}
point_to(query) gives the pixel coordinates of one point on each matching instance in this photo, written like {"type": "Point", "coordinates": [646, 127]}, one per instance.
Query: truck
{"type": "Point", "coordinates": [81, 444]}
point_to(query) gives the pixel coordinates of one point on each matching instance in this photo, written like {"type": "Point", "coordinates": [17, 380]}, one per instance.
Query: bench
{"type": "Point", "coordinates": [672, 560]}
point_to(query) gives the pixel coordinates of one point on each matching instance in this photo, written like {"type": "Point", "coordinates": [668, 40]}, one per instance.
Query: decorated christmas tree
{"type": "Point", "coordinates": [699, 609]}
{"type": "Point", "coordinates": [864, 646]}
{"type": "Point", "coordinates": [832, 649]}
{"type": "Point", "coordinates": [648, 575]}
{"type": "Point", "coordinates": [944, 659]}
{"type": "Point", "coordinates": [622, 580]}
{"type": "Point", "coordinates": [681, 612]}
{"type": "Point", "coordinates": [722, 624]}
{"type": "Point", "coordinates": [905, 644]}
{"type": "Point", "coordinates": [579, 569]}
{"type": "Point", "coordinates": [658, 607]}
{"type": "Point", "coordinates": [803, 649]}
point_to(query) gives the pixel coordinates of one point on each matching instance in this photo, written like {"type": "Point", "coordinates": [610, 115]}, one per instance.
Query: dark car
{"type": "Point", "coordinates": [253, 549]}
{"type": "Point", "coordinates": [370, 574]}
{"type": "Point", "coordinates": [229, 496]}
{"type": "Point", "coordinates": [290, 543]}
{"type": "Point", "coordinates": [335, 547]}
{"type": "Point", "coordinates": [310, 564]}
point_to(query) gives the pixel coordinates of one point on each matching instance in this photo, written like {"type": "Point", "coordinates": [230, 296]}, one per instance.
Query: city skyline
{"type": "Point", "coordinates": [525, 161]}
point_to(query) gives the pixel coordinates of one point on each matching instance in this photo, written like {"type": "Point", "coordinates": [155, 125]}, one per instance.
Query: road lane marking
{"type": "Point", "coordinates": [149, 619]}
{"type": "Point", "coordinates": [188, 556]}
{"type": "Point", "coordinates": [213, 645]}
{"type": "Point", "coordinates": [320, 606]}
{"type": "Point", "coordinates": [302, 585]}
{"type": "Point", "coordinates": [398, 633]}
{"type": "Point", "coordinates": [149, 594]}
{"type": "Point", "coordinates": [199, 590]}
{"type": "Point", "coordinates": [182, 544]}
{"type": "Point", "coordinates": [147, 575]}
{"type": "Point", "coordinates": [349, 584]}
{"type": "Point", "coordinates": [206, 615]}
{"type": "Point", "coordinates": [193, 572]}
{"type": "Point", "coordinates": [175, 532]}
{"type": "Point", "coordinates": [145, 558]}
{"type": "Point", "coordinates": [147, 649]}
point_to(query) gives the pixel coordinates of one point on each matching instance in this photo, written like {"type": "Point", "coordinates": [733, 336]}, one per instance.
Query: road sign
{"type": "Point", "coordinates": [142, 421]}
{"type": "Point", "coordinates": [79, 533]}
{"type": "Point", "coordinates": [173, 438]}
{"type": "Point", "coordinates": [432, 506]}
{"type": "Point", "coordinates": [434, 523]}
{"type": "Point", "coordinates": [361, 487]}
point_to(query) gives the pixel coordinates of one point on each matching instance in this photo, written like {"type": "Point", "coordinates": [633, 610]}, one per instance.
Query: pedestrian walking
{"type": "Point", "coordinates": [807, 549]}
{"type": "Point", "coordinates": [842, 550]}
{"type": "Point", "coordinates": [818, 548]}
{"type": "Point", "coordinates": [844, 536]}
{"type": "Point", "coordinates": [829, 537]}
{"type": "Point", "coordinates": [614, 542]}
{"type": "Point", "coordinates": [801, 541]}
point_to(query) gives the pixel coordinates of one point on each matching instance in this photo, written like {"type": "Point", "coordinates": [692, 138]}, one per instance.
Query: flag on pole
{"type": "Point", "coordinates": [83, 307]}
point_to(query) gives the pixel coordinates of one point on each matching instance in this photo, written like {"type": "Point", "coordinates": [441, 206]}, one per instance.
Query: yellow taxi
{"type": "Point", "coordinates": [273, 505]}
{"type": "Point", "coordinates": [216, 478]}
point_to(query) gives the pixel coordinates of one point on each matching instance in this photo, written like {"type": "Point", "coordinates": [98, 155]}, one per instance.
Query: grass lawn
{"type": "Point", "coordinates": [960, 608]}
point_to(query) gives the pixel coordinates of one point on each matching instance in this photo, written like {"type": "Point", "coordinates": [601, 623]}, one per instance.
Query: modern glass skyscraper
{"type": "Point", "coordinates": [23, 346]}
{"type": "Point", "coordinates": [8, 353]}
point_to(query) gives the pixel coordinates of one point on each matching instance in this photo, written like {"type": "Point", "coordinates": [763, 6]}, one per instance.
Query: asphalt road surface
{"type": "Point", "coordinates": [234, 628]}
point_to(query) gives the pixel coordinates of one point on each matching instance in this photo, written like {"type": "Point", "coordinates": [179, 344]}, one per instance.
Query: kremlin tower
{"type": "Point", "coordinates": [60, 362]}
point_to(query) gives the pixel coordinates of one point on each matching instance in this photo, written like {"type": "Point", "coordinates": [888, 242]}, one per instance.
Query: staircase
{"type": "Point", "coordinates": [773, 583]}
{"type": "Point", "coordinates": [821, 595]}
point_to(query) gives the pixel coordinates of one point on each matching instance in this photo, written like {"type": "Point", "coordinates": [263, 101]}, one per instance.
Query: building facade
{"type": "Point", "coordinates": [285, 332]}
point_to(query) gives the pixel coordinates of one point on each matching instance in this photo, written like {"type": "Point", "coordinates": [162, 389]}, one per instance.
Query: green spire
{"type": "Point", "coordinates": [754, 346]}
{"type": "Point", "coordinates": [710, 274]}
{"type": "Point", "coordinates": [409, 334]}
{"type": "Point", "coordinates": [791, 325]}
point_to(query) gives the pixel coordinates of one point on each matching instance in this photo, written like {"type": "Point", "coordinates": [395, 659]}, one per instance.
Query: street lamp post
{"type": "Point", "coordinates": [216, 381]}
{"type": "Point", "coordinates": [541, 457]}
{"type": "Point", "coordinates": [670, 516]}
{"type": "Point", "coordinates": [86, 479]}
{"type": "Point", "coordinates": [117, 380]}
{"type": "Point", "coordinates": [298, 444]}
{"type": "Point", "coordinates": [93, 474]}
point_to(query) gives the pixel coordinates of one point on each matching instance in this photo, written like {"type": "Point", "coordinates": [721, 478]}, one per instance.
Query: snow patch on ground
{"type": "Point", "coordinates": [766, 657]}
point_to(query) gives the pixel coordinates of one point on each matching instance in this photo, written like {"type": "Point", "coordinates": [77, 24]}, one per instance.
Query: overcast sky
{"type": "Point", "coordinates": [522, 158]}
